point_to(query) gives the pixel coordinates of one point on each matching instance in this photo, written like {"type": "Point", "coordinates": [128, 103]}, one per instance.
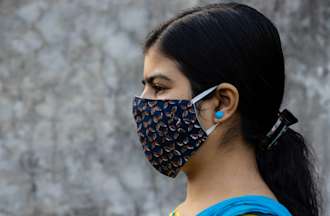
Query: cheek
{"type": "Point", "coordinates": [184, 90]}
{"type": "Point", "coordinates": [177, 91]}
{"type": "Point", "coordinates": [181, 87]}
{"type": "Point", "coordinates": [205, 115]}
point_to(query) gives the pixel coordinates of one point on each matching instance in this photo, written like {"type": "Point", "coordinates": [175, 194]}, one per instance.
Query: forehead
{"type": "Point", "coordinates": [156, 63]}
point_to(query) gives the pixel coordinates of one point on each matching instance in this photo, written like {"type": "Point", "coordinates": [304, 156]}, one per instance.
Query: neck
{"type": "Point", "coordinates": [223, 174]}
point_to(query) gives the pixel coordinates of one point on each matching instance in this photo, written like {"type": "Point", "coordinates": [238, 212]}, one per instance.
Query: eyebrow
{"type": "Point", "coordinates": [151, 78]}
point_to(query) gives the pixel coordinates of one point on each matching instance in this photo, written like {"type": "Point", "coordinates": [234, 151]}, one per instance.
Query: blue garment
{"type": "Point", "coordinates": [258, 204]}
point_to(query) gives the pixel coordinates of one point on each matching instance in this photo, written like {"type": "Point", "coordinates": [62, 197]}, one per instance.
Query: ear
{"type": "Point", "coordinates": [225, 99]}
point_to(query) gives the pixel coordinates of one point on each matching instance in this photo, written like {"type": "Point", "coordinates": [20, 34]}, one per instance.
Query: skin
{"type": "Point", "coordinates": [221, 168]}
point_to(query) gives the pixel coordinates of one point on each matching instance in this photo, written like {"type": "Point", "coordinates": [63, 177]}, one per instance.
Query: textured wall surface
{"type": "Point", "coordinates": [68, 71]}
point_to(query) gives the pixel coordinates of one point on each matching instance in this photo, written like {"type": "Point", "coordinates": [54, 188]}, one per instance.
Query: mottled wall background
{"type": "Point", "coordinates": [68, 71]}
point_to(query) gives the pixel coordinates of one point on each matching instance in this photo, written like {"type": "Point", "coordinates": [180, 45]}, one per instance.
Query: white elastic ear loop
{"type": "Point", "coordinates": [200, 96]}
{"type": "Point", "coordinates": [203, 94]}
{"type": "Point", "coordinates": [211, 129]}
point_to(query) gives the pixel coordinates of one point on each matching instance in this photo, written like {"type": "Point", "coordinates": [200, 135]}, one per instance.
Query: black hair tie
{"type": "Point", "coordinates": [284, 120]}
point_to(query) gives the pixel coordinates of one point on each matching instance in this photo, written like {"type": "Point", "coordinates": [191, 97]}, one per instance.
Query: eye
{"type": "Point", "coordinates": [158, 88]}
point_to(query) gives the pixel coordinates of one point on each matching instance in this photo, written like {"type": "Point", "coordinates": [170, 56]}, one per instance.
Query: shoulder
{"type": "Point", "coordinates": [247, 205]}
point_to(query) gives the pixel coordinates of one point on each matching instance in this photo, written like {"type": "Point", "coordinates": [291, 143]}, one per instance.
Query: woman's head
{"type": "Point", "coordinates": [230, 45]}
{"type": "Point", "coordinates": [237, 48]}
{"type": "Point", "coordinates": [164, 80]}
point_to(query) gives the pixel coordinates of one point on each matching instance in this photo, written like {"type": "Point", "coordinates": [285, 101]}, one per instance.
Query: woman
{"type": "Point", "coordinates": [213, 85]}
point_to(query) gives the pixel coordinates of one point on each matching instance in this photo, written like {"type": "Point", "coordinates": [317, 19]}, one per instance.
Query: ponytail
{"type": "Point", "coordinates": [289, 172]}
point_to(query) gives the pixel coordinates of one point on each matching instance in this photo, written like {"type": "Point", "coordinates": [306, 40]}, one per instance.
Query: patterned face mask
{"type": "Point", "coordinates": [169, 130]}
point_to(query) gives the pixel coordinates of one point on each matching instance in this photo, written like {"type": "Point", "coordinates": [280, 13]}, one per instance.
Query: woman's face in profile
{"type": "Point", "coordinates": [162, 79]}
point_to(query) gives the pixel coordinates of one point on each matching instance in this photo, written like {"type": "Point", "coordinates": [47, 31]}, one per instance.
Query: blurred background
{"type": "Point", "coordinates": [68, 72]}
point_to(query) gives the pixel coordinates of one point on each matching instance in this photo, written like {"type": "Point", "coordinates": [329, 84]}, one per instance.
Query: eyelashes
{"type": "Point", "coordinates": [156, 88]}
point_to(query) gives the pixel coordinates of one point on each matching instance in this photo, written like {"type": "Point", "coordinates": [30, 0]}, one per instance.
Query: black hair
{"type": "Point", "coordinates": [235, 43]}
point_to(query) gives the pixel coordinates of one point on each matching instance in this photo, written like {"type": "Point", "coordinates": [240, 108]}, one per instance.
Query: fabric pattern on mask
{"type": "Point", "coordinates": [169, 132]}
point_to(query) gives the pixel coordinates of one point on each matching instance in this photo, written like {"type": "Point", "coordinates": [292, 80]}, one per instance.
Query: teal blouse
{"type": "Point", "coordinates": [246, 204]}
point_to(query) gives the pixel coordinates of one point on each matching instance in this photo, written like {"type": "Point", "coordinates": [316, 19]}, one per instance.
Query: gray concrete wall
{"type": "Point", "coordinates": [68, 71]}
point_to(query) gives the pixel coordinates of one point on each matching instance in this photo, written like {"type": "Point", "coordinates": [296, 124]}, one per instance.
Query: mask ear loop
{"type": "Point", "coordinates": [199, 97]}
{"type": "Point", "coordinates": [210, 130]}
{"type": "Point", "coordinates": [203, 94]}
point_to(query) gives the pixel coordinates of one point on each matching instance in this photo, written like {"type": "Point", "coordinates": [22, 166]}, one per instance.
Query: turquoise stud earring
{"type": "Point", "coordinates": [219, 114]}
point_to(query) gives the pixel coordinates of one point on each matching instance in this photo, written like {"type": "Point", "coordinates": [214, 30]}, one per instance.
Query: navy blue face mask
{"type": "Point", "coordinates": [169, 130]}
